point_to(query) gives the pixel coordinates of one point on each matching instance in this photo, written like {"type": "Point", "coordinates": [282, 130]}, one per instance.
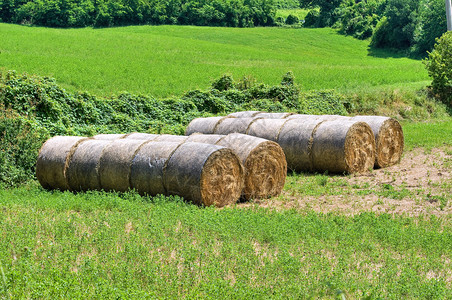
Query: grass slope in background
{"type": "Point", "coordinates": [168, 60]}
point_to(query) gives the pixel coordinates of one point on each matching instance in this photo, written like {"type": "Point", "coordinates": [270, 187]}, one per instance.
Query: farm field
{"type": "Point", "coordinates": [384, 234]}
{"type": "Point", "coordinates": [168, 60]}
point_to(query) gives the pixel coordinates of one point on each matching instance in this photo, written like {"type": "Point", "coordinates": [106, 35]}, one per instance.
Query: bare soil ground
{"type": "Point", "coordinates": [421, 184]}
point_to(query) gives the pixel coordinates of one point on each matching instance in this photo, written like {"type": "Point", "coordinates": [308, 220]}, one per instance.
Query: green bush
{"type": "Point", "coordinates": [291, 20]}
{"type": "Point", "coordinates": [439, 67]}
{"type": "Point", "coordinates": [432, 25]}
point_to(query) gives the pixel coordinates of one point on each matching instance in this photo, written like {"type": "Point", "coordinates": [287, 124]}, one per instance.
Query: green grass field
{"type": "Point", "coordinates": [168, 60]}
{"type": "Point", "coordinates": [98, 245]}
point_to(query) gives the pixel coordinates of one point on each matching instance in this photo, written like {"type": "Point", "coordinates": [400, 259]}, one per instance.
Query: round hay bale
{"type": "Point", "coordinates": [234, 125]}
{"type": "Point", "coordinates": [204, 125]}
{"type": "Point", "coordinates": [52, 162]}
{"type": "Point", "coordinates": [318, 117]}
{"type": "Point", "coordinates": [214, 176]}
{"type": "Point", "coordinates": [389, 141]}
{"type": "Point", "coordinates": [266, 128]}
{"type": "Point", "coordinates": [273, 115]}
{"type": "Point", "coordinates": [146, 175]}
{"type": "Point", "coordinates": [115, 163]}
{"type": "Point", "coordinates": [245, 114]}
{"type": "Point", "coordinates": [171, 138]}
{"type": "Point", "coordinates": [264, 161]}
{"type": "Point", "coordinates": [110, 136]}
{"type": "Point", "coordinates": [83, 167]}
{"type": "Point", "coordinates": [142, 136]}
{"type": "Point", "coordinates": [205, 138]}
{"type": "Point", "coordinates": [343, 146]}
{"type": "Point", "coordinates": [295, 138]}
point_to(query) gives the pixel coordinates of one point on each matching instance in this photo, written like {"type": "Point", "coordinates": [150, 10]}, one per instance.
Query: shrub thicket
{"type": "Point", "coordinates": [104, 13]}
{"type": "Point", "coordinates": [439, 66]}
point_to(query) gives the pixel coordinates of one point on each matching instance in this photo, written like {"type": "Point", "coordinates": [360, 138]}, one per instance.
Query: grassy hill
{"type": "Point", "coordinates": [168, 60]}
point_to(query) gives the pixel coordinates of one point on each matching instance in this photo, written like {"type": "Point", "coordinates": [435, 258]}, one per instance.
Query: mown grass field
{"type": "Point", "coordinates": [168, 60]}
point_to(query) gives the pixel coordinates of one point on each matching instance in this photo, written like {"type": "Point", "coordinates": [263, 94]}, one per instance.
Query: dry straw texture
{"type": "Point", "coordinates": [115, 164]}
{"type": "Point", "coordinates": [52, 161]}
{"type": "Point", "coordinates": [245, 114]}
{"type": "Point", "coordinates": [389, 139]}
{"type": "Point", "coordinates": [142, 136]}
{"type": "Point", "coordinates": [264, 161]}
{"type": "Point", "coordinates": [109, 136]}
{"type": "Point", "coordinates": [273, 115]}
{"type": "Point", "coordinates": [148, 165]}
{"type": "Point", "coordinates": [343, 146]}
{"type": "Point", "coordinates": [83, 168]}
{"type": "Point", "coordinates": [214, 176]}
{"type": "Point", "coordinates": [233, 125]}
{"type": "Point", "coordinates": [204, 125]}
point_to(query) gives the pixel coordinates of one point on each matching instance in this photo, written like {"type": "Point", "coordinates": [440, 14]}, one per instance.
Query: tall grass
{"type": "Point", "coordinates": [166, 60]}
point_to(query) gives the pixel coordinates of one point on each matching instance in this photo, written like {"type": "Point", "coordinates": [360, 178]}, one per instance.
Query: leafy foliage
{"type": "Point", "coordinates": [432, 25]}
{"type": "Point", "coordinates": [33, 108]}
{"type": "Point", "coordinates": [105, 13]}
{"type": "Point", "coordinates": [439, 66]}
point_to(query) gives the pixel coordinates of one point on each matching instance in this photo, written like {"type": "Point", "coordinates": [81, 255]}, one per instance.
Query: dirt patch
{"type": "Point", "coordinates": [421, 184]}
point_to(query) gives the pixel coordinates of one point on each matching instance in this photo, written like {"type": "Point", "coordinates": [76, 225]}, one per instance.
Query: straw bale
{"type": "Point", "coordinates": [319, 117]}
{"type": "Point", "coordinates": [142, 136]}
{"type": "Point", "coordinates": [110, 136]}
{"type": "Point", "coordinates": [115, 164]}
{"type": "Point", "coordinates": [52, 161]}
{"type": "Point", "coordinates": [245, 114]}
{"type": "Point", "coordinates": [264, 161]}
{"type": "Point", "coordinates": [266, 128]}
{"type": "Point", "coordinates": [234, 125]}
{"type": "Point", "coordinates": [83, 166]}
{"type": "Point", "coordinates": [171, 138]}
{"type": "Point", "coordinates": [343, 146]}
{"type": "Point", "coordinates": [205, 125]}
{"type": "Point", "coordinates": [389, 140]}
{"type": "Point", "coordinates": [205, 138]}
{"type": "Point", "coordinates": [273, 115]}
{"type": "Point", "coordinates": [295, 138]}
{"type": "Point", "coordinates": [146, 175]}
{"type": "Point", "coordinates": [214, 176]}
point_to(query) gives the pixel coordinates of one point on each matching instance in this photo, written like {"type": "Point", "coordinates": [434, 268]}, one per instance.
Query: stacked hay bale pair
{"type": "Point", "coordinates": [202, 169]}
{"type": "Point", "coordinates": [322, 143]}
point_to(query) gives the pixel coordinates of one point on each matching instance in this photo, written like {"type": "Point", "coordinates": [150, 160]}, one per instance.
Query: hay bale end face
{"type": "Point", "coordinates": [264, 161]}
{"type": "Point", "coordinates": [52, 161]}
{"type": "Point", "coordinates": [115, 164]}
{"type": "Point", "coordinates": [214, 176]}
{"type": "Point", "coordinates": [83, 167]}
{"type": "Point", "coordinates": [389, 140]}
{"type": "Point", "coordinates": [343, 146]}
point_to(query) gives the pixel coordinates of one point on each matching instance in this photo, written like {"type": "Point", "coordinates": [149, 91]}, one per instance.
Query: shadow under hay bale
{"type": "Point", "coordinates": [83, 168]}
{"type": "Point", "coordinates": [52, 161]}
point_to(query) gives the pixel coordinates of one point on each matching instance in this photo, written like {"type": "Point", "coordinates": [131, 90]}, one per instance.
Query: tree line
{"type": "Point", "coordinates": [106, 13]}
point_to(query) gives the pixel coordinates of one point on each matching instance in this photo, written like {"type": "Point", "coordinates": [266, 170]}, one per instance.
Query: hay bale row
{"type": "Point", "coordinates": [388, 133]}
{"type": "Point", "coordinates": [264, 161]}
{"type": "Point", "coordinates": [309, 144]}
{"type": "Point", "coordinates": [202, 173]}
